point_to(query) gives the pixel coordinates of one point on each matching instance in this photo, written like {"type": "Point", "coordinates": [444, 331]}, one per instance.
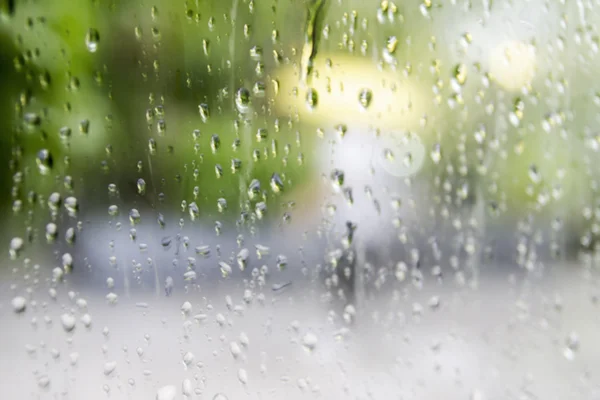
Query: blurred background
{"type": "Point", "coordinates": [343, 199]}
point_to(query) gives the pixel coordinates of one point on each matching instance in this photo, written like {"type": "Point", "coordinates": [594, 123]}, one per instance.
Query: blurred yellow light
{"type": "Point", "coordinates": [513, 64]}
{"type": "Point", "coordinates": [343, 84]}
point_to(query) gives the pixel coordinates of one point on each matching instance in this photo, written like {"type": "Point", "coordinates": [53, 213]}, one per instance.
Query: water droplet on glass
{"type": "Point", "coordinates": [215, 142]}
{"type": "Point", "coordinates": [309, 341]}
{"type": "Point", "coordinates": [134, 216]}
{"type": "Point", "coordinates": [235, 349]}
{"type": "Point", "coordinates": [186, 387]}
{"type": "Point", "coordinates": [186, 308]}
{"type": "Point", "coordinates": [68, 322]}
{"type": "Point", "coordinates": [188, 359]}
{"type": "Point", "coordinates": [242, 100]}
{"type": "Point", "coordinates": [225, 269]}
{"type": "Point", "coordinates": [365, 96]}
{"type": "Point", "coordinates": [276, 183]}
{"type": "Point", "coordinates": [391, 44]}
{"type": "Point", "coordinates": [242, 258]}
{"type": "Point", "coordinates": [112, 298]}
{"type": "Point", "coordinates": [71, 205]}
{"type": "Point", "coordinates": [19, 304]}
{"type": "Point", "coordinates": [16, 245]}
{"type": "Point", "coordinates": [92, 37]}
{"type": "Point", "coordinates": [243, 376]}
{"type": "Point", "coordinates": [312, 98]}
{"type": "Point", "coordinates": [44, 161]}
{"type": "Point", "coordinates": [337, 178]}
{"type": "Point", "coordinates": [204, 112]}
{"type": "Point", "coordinates": [194, 211]}
{"type": "Point", "coordinates": [54, 201]}
{"type": "Point", "coordinates": [281, 261]}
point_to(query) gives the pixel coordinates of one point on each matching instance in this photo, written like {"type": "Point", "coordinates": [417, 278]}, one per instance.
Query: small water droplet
{"type": "Point", "coordinates": [225, 269]}
{"type": "Point", "coordinates": [215, 142]}
{"type": "Point", "coordinates": [242, 100]}
{"type": "Point", "coordinates": [134, 216]}
{"type": "Point", "coordinates": [204, 112]}
{"type": "Point", "coordinates": [243, 376]}
{"type": "Point", "coordinates": [312, 98]}
{"type": "Point", "coordinates": [92, 38]}
{"type": "Point", "coordinates": [309, 341]}
{"type": "Point", "coordinates": [44, 161]}
{"type": "Point", "coordinates": [16, 245]}
{"type": "Point", "coordinates": [365, 96]}
{"type": "Point", "coordinates": [276, 183]}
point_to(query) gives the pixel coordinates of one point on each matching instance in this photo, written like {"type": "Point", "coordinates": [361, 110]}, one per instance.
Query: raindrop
{"type": "Point", "coordinates": [86, 320]}
{"type": "Point", "coordinates": [194, 211]}
{"type": "Point", "coordinates": [337, 178]}
{"type": "Point", "coordinates": [243, 376]}
{"type": "Point", "coordinates": [236, 165]}
{"type": "Point", "coordinates": [112, 298]}
{"type": "Point", "coordinates": [169, 285]}
{"type": "Point", "coordinates": [204, 112]}
{"type": "Point", "coordinates": [152, 146]}
{"type": "Point", "coordinates": [134, 216]}
{"type": "Point", "coordinates": [51, 231]}
{"type": "Point", "coordinates": [215, 142]}
{"type": "Point", "coordinates": [92, 37]}
{"type": "Point", "coordinates": [54, 201]}
{"type": "Point", "coordinates": [253, 189]}
{"type": "Point", "coordinates": [262, 250]}
{"type": "Point", "coordinates": [242, 258]}
{"type": "Point", "coordinates": [186, 387]}
{"type": "Point", "coordinates": [204, 251]}
{"type": "Point", "coordinates": [281, 261]}
{"type": "Point", "coordinates": [391, 44]}
{"type": "Point", "coordinates": [261, 209]}
{"type": "Point", "coordinates": [19, 304]}
{"type": "Point", "coordinates": [225, 269]}
{"type": "Point", "coordinates": [312, 98]}
{"type": "Point", "coordinates": [276, 183]}
{"type": "Point", "coordinates": [71, 205]}
{"type": "Point", "coordinates": [261, 134]}
{"type": "Point", "coordinates": [235, 349]}
{"type": "Point", "coordinates": [242, 100]}
{"type": "Point", "coordinates": [309, 341]}
{"type": "Point", "coordinates": [16, 245]}
{"type": "Point", "coordinates": [113, 210]}
{"type": "Point", "coordinates": [186, 308]}
{"type": "Point", "coordinates": [365, 96]}
{"type": "Point", "coordinates": [84, 126]}
{"type": "Point", "coordinates": [68, 322]}
{"type": "Point", "coordinates": [44, 161]}
{"type": "Point", "coordinates": [188, 359]}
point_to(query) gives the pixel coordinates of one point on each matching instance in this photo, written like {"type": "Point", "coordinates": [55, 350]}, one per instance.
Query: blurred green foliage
{"type": "Point", "coordinates": [156, 62]}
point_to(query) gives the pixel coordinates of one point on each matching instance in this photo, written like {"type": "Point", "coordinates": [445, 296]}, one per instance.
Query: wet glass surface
{"type": "Point", "coordinates": [308, 199]}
